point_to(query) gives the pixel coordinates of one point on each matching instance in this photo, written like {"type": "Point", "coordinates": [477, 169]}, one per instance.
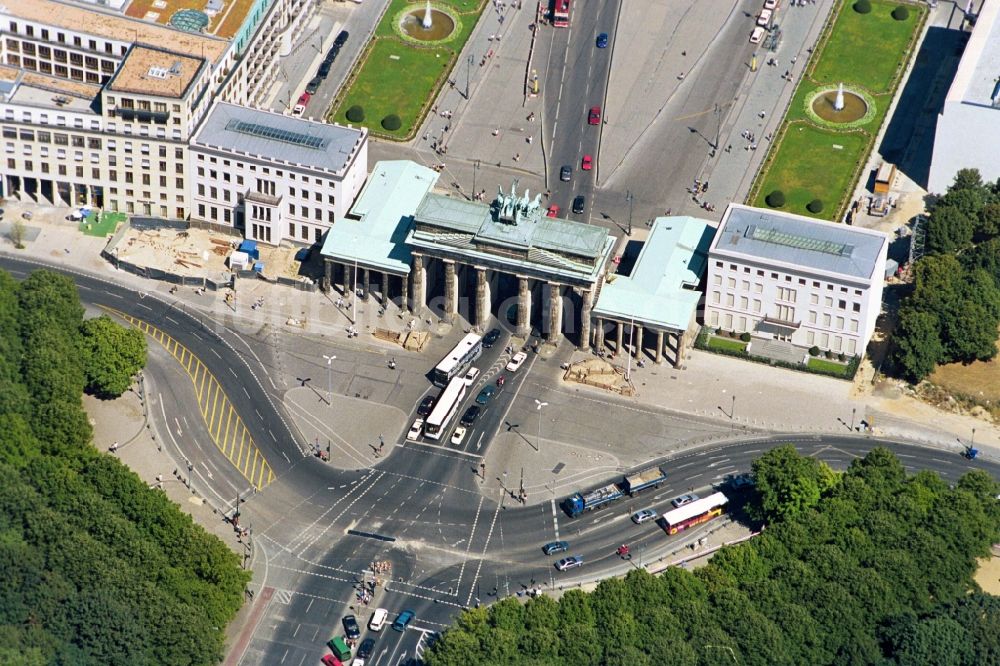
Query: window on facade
{"type": "Point", "coordinates": [840, 323]}
{"type": "Point", "coordinates": [715, 295]}
{"type": "Point", "coordinates": [756, 305]}
{"type": "Point", "coordinates": [826, 319]}
{"type": "Point", "coordinates": [730, 300]}
{"type": "Point", "coordinates": [744, 303]}
{"type": "Point", "coordinates": [745, 285]}
{"type": "Point", "coordinates": [856, 307]}
{"type": "Point", "coordinates": [812, 316]}
{"type": "Point", "coordinates": [827, 301]}
{"type": "Point", "coordinates": [731, 283]}
{"type": "Point", "coordinates": [854, 326]}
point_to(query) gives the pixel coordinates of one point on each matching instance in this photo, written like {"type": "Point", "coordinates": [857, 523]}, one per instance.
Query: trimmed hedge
{"type": "Point", "coordinates": [815, 206]}
{"type": "Point", "coordinates": [391, 123]}
{"type": "Point", "coordinates": [901, 13]}
{"type": "Point", "coordinates": [701, 342]}
{"type": "Point", "coordinates": [355, 114]}
{"type": "Point", "coordinates": [775, 199]}
{"type": "Point", "coordinates": [863, 6]}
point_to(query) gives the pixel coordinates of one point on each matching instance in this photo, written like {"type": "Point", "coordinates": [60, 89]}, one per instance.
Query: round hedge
{"type": "Point", "coordinates": [863, 6]}
{"type": "Point", "coordinates": [814, 351]}
{"type": "Point", "coordinates": [900, 13]}
{"type": "Point", "coordinates": [355, 114]}
{"type": "Point", "coordinates": [391, 123]}
{"type": "Point", "coordinates": [815, 206]}
{"type": "Point", "coordinates": [775, 199]}
{"type": "Point", "coordinates": [745, 337]}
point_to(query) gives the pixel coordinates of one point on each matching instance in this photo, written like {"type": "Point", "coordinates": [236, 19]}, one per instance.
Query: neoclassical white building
{"type": "Point", "coordinates": [781, 276]}
{"type": "Point", "coordinates": [274, 177]}
{"type": "Point", "coordinates": [97, 106]}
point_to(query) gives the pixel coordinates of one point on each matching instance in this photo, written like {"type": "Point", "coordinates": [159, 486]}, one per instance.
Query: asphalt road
{"type": "Point", "coordinates": [575, 79]}
{"type": "Point", "coordinates": [317, 529]}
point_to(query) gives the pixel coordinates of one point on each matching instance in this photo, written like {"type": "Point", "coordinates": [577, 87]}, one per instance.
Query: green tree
{"type": "Point", "coordinates": [988, 222]}
{"type": "Point", "coordinates": [971, 336]}
{"type": "Point", "coordinates": [112, 356]}
{"type": "Point", "coordinates": [788, 483]}
{"type": "Point", "coordinates": [918, 347]}
{"type": "Point", "coordinates": [949, 229]}
{"type": "Point", "coordinates": [968, 179]}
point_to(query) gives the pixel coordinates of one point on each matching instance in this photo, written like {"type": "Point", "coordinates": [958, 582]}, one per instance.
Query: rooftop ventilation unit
{"type": "Point", "coordinates": [158, 72]}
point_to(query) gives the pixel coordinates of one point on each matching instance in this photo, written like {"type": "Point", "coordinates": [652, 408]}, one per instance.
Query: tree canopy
{"type": "Point", "coordinates": [95, 567]}
{"type": "Point", "coordinates": [953, 313]}
{"type": "Point", "coordinates": [870, 566]}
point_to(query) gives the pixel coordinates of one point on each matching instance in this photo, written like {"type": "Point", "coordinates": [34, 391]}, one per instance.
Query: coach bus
{"type": "Point", "coordinates": [444, 411]}
{"type": "Point", "coordinates": [695, 513]}
{"type": "Point", "coordinates": [458, 359]}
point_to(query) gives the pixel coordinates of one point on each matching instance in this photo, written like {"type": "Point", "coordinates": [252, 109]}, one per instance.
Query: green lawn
{"type": "Point", "coordinates": [828, 367]}
{"type": "Point", "coordinates": [108, 223]}
{"type": "Point", "coordinates": [813, 163]}
{"type": "Point", "coordinates": [867, 49]}
{"type": "Point", "coordinates": [400, 77]}
{"type": "Point", "coordinates": [725, 343]}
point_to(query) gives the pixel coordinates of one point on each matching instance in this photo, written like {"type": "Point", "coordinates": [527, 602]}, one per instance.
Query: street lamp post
{"type": "Point", "coordinates": [329, 375]}
{"type": "Point", "coordinates": [475, 168]}
{"type": "Point", "coordinates": [628, 360]}
{"type": "Point", "coordinates": [854, 410]}
{"type": "Point", "coordinates": [468, 68]}
{"type": "Point", "coordinates": [538, 441]}
{"type": "Point", "coordinates": [628, 198]}
{"type": "Point", "coordinates": [732, 413]}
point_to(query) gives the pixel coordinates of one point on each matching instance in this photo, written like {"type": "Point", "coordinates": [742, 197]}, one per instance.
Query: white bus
{"type": "Point", "coordinates": [458, 359]}
{"type": "Point", "coordinates": [444, 411]}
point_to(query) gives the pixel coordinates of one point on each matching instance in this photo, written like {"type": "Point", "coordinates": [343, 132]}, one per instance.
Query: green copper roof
{"type": "Point", "coordinates": [662, 290]}
{"type": "Point", "coordinates": [375, 233]}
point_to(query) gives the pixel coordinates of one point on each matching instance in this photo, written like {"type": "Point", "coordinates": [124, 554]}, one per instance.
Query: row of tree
{"type": "Point", "coordinates": [865, 567]}
{"type": "Point", "coordinates": [95, 568]}
{"type": "Point", "coordinates": [953, 313]}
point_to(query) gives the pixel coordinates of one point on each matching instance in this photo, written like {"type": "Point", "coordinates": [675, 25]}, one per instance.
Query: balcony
{"type": "Point", "coordinates": [261, 198]}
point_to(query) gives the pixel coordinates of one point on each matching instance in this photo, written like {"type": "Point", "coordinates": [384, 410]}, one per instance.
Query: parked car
{"type": "Point", "coordinates": [470, 416]}
{"type": "Point", "coordinates": [587, 163]}
{"type": "Point", "coordinates": [471, 376]}
{"type": "Point", "coordinates": [403, 620]}
{"type": "Point", "coordinates": [313, 85]}
{"type": "Point", "coordinates": [426, 406]}
{"type": "Point", "coordinates": [553, 211]}
{"type": "Point", "coordinates": [324, 69]}
{"type": "Point", "coordinates": [486, 394]}
{"type": "Point", "coordinates": [579, 203]}
{"type": "Point", "coordinates": [415, 430]}
{"type": "Point", "coordinates": [341, 38]}
{"type": "Point", "coordinates": [602, 40]}
{"type": "Point", "coordinates": [304, 99]}
{"type": "Point", "coordinates": [516, 362]}
{"type": "Point", "coordinates": [298, 110]}
{"type": "Point", "coordinates": [639, 517]}
{"type": "Point", "coordinates": [491, 338]}
{"type": "Point", "coordinates": [570, 562]}
{"type": "Point", "coordinates": [458, 436]}
{"type": "Point", "coordinates": [757, 35]}
{"type": "Point", "coordinates": [554, 547]}
{"type": "Point", "coordinates": [565, 173]}
{"type": "Point", "coordinates": [330, 660]}
{"type": "Point", "coordinates": [594, 117]}
{"type": "Point", "coordinates": [765, 18]}
{"type": "Point", "coordinates": [378, 619]}
{"type": "Point", "coordinates": [771, 4]}
{"type": "Point", "coordinates": [683, 499]}
{"type": "Point", "coordinates": [351, 628]}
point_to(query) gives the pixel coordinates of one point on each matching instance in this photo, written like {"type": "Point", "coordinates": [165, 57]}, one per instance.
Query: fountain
{"type": "Point", "coordinates": [426, 24]}
{"type": "Point", "coordinates": [838, 102]}
{"type": "Point", "coordinates": [428, 20]}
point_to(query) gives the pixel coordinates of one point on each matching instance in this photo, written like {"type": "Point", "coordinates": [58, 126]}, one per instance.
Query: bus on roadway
{"type": "Point", "coordinates": [695, 513]}
{"type": "Point", "coordinates": [457, 361]}
{"type": "Point", "coordinates": [444, 411]}
{"type": "Point", "coordinates": [560, 13]}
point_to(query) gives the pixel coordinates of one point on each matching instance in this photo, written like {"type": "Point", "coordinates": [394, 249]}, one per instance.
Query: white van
{"type": "Point", "coordinates": [378, 619]}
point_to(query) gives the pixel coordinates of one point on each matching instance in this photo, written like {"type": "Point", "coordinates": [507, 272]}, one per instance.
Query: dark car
{"type": "Point", "coordinates": [565, 173]}
{"type": "Point", "coordinates": [555, 547]}
{"type": "Point", "coordinates": [491, 338]}
{"type": "Point", "coordinates": [578, 203]}
{"type": "Point", "coordinates": [331, 55]}
{"type": "Point", "coordinates": [342, 38]}
{"type": "Point", "coordinates": [426, 406]}
{"type": "Point", "coordinates": [403, 620]}
{"type": "Point", "coordinates": [313, 85]}
{"type": "Point", "coordinates": [602, 40]}
{"type": "Point", "coordinates": [324, 69]}
{"type": "Point", "coordinates": [365, 649]}
{"type": "Point", "coordinates": [484, 396]}
{"type": "Point", "coordinates": [470, 415]}
{"type": "Point", "coordinates": [351, 628]}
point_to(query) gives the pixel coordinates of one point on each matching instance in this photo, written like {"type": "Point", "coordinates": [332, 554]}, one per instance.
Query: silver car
{"type": "Point", "coordinates": [683, 499]}
{"type": "Point", "coordinates": [639, 517]}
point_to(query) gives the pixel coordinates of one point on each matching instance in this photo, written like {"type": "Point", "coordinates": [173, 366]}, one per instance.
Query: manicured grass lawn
{"type": "Point", "coordinates": [724, 343]}
{"type": "Point", "coordinates": [400, 77]}
{"type": "Point", "coordinates": [867, 49]}
{"type": "Point", "coordinates": [828, 367]}
{"type": "Point", "coordinates": [809, 165]}
{"type": "Point", "coordinates": [396, 78]}
{"type": "Point", "coordinates": [108, 223]}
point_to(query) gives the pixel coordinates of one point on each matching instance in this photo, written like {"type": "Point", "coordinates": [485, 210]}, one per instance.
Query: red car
{"type": "Point", "coordinates": [587, 164]}
{"type": "Point", "coordinates": [330, 660]}
{"type": "Point", "coordinates": [553, 211]}
{"type": "Point", "coordinates": [595, 115]}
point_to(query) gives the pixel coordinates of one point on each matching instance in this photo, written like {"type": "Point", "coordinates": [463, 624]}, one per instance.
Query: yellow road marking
{"type": "Point", "coordinates": [209, 390]}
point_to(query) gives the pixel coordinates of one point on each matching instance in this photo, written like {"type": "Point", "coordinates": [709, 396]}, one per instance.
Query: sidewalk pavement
{"type": "Point", "coordinates": [496, 76]}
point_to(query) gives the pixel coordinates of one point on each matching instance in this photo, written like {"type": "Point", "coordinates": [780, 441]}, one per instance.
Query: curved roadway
{"type": "Point", "coordinates": [317, 528]}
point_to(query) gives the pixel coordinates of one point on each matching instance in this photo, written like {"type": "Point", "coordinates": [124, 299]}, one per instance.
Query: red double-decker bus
{"type": "Point", "coordinates": [560, 13]}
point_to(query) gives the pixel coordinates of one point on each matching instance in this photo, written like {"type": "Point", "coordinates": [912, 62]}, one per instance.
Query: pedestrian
{"type": "Point", "coordinates": [762, 114]}
{"type": "Point", "coordinates": [729, 148]}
